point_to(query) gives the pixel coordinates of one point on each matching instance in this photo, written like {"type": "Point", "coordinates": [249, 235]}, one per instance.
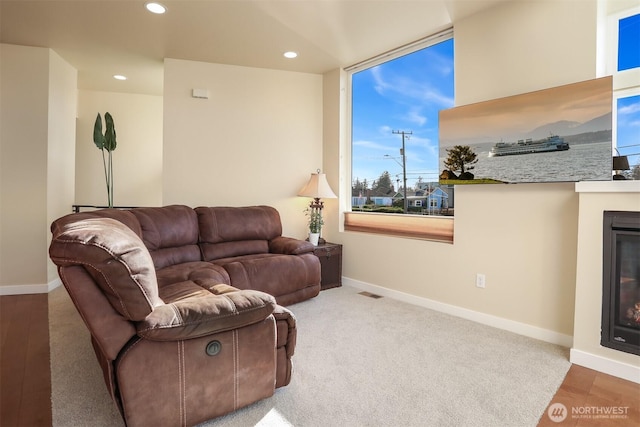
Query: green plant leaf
{"type": "Point", "coordinates": [109, 133]}
{"type": "Point", "coordinates": [98, 138]}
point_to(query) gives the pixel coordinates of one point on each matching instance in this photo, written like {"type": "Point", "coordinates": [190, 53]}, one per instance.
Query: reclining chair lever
{"type": "Point", "coordinates": [213, 348]}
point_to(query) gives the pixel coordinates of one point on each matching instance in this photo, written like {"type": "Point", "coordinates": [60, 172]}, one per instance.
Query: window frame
{"type": "Point", "coordinates": [619, 94]}
{"type": "Point", "coordinates": [423, 227]}
{"type": "Point", "coordinates": [625, 82]}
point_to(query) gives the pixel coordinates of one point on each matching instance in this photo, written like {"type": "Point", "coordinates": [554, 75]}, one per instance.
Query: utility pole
{"type": "Point", "coordinates": [404, 166]}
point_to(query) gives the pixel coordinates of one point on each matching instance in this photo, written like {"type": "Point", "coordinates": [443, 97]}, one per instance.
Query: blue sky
{"type": "Point", "coordinates": [628, 46]}
{"type": "Point", "coordinates": [402, 95]}
{"type": "Point", "coordinates": [628, 125]}
{"type": "Point", "coordinates": [629, 128]}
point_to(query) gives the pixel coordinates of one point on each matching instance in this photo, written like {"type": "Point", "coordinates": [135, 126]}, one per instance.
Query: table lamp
{"type": "Point", "coordinates": [317, 188]}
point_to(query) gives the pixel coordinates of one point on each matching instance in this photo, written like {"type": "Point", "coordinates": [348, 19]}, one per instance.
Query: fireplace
{"type": "Point", "coordinates": [621, 281]}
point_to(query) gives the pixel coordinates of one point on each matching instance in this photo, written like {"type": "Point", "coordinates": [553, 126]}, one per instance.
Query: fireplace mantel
{"type": "Point", "coordinates": [608, 187]}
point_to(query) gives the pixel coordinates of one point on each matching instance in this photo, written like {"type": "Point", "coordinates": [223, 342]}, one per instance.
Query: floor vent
{"type": "Point", "coordinates": [370, 295]}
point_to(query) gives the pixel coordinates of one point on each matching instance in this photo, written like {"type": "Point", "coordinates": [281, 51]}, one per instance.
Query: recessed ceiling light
{"type": "Point", "coordinates": [154, 7]}
{"type": "Point", "coordinates": [120, 77]}
{"type": "Point", "coordinates": [290, 54]}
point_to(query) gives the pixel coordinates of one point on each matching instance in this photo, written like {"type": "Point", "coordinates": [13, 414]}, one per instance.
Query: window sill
{"type": "Point", "coordinates": [434, 228]}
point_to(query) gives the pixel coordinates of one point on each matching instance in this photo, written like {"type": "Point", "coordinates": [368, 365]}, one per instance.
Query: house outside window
{"type": "Point", "coordinates": [395, 103]}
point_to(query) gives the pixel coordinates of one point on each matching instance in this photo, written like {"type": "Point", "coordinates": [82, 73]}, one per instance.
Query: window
{"type": "Point", "coordinates": [623, 63]}
{"type": "Point", "coordinates": [627, 130]}
{"type": "Point", "coordinates": [395, 102]}
{"type": "Point", "coordinates": [628, 42]}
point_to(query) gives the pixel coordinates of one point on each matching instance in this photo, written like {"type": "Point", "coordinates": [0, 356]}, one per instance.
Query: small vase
{"type": "Point", "coordinates": [313, 238]}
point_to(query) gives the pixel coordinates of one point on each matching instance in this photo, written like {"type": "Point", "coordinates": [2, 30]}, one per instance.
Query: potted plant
{"type": "Point", "coordinates": [315, 224]}
{"type": "Point", "coordinates": [106, 141]}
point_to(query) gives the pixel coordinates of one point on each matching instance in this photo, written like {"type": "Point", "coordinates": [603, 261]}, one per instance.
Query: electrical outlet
{"type": "Point", "coordinates": [480, 280]}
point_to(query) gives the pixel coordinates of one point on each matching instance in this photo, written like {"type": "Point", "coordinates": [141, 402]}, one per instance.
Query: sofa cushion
{"type": "Point", "coordinates": [272, 273]}
{"type": "Point", "coordinates": [215, 251]}
{"type": "Point", "coordinates": [223, 308]}
{"type": "Point", "coordinates": [117, 260]}
{"type": "Point", "coordinates": [170, 233]}
{"type": "Point", "coordinates": [191, 271]}
{"type": "Point", "coordinates": [234, 231]}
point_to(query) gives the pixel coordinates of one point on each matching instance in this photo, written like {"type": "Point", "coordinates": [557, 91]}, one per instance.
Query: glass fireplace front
{"type": "Point", "coordinates": [621, 281]}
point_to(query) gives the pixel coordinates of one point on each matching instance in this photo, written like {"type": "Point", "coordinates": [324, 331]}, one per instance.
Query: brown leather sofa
{"type": "Point", "coordinates": [183, 305]}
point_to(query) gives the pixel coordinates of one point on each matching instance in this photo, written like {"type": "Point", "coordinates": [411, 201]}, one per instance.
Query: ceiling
{"type": "Point", "coordinates": [101, 38]}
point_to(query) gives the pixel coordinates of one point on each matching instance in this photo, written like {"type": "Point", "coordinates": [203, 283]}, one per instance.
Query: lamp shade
{"type": "Point", "coordinates": [620, 163]}
{"type": "Point", "coordinates": [317, 187]}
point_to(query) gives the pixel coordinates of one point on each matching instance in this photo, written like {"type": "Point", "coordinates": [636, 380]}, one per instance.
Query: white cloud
{"type": "Point", "coordinates": [370, 145]}
{"type": "Point", "coordinates": [402, 87]}
{"type": "Point", "coordinates": [414, 116]}
{"type": "Point", "coordinates": [424, 144]}
{"type": "Point", "coordinates": [629, 116]}
{"type": "Point", "coordinates": [629, 109]}
{"type": "Point", "coordinates": [380, 85]}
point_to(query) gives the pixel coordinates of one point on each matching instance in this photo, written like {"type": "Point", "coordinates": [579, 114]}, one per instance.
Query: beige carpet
{"type": "Point", "coordinates": [359, 362]}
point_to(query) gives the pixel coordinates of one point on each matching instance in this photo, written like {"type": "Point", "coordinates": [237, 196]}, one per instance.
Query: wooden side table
{"type": "Point", "coordinates": [330, 255]}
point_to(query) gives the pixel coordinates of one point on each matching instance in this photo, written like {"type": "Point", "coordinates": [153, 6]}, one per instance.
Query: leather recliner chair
{"type": "Point", "coordinates": [173, 352]}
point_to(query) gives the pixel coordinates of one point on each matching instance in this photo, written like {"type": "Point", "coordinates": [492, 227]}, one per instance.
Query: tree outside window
{"type": "Point", "coordinates": [404, 94]}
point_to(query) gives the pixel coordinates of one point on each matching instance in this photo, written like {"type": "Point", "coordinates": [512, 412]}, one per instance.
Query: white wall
{"type": "Point", "coordinates": [63, 105]}
{"type": "Point", "coordinates": [37, 106]}
{"type": "Point", "coordinates": [587, 351]}
{"type": "Point", "coordinates": [523, 237]}
{"type": "Point", "coordinates": [40, 168]}
{"type": "Point", "coordinates": [336, 162]}
{"type": "Point", "coordinates": [25, 89]}
{"type": "Point", "coordinates": [523, 46]}
{"type": "Point", "coordinates": [256, 140]}
{"type": "Point", "coordinates": [137, 159]}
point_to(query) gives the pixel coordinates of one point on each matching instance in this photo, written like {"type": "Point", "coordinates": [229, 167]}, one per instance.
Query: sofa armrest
{"type": "Point", "coordinates": [285, 344]}
{"type": "Point", "coordinates": [205, 315]}
{"type": "Point", "coordinates": [289, 246]}
{"type": "Point", "coordinates": [287, 329]}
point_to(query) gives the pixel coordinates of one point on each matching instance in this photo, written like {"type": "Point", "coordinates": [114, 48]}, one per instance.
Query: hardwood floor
{"type": "Point", "coordinates": [25, 379]}
{"type": "Point", "coordinates": [591, 398]}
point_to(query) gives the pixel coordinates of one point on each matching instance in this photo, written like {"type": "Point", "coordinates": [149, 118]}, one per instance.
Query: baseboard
{"type": "Point", "coordinates": [475, 316]}
{"type": "Point", "coordinates": [30, 289]}
{"type": "Point", "coordinates": [606, 365]}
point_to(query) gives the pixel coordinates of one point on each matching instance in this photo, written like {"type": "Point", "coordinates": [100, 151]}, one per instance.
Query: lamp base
{"type": "Point", "coordinates": [618, 177]}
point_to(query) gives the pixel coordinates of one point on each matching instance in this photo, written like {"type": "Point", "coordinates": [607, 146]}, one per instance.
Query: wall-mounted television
{"type": "Point", "coordinates": [562, 134]}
